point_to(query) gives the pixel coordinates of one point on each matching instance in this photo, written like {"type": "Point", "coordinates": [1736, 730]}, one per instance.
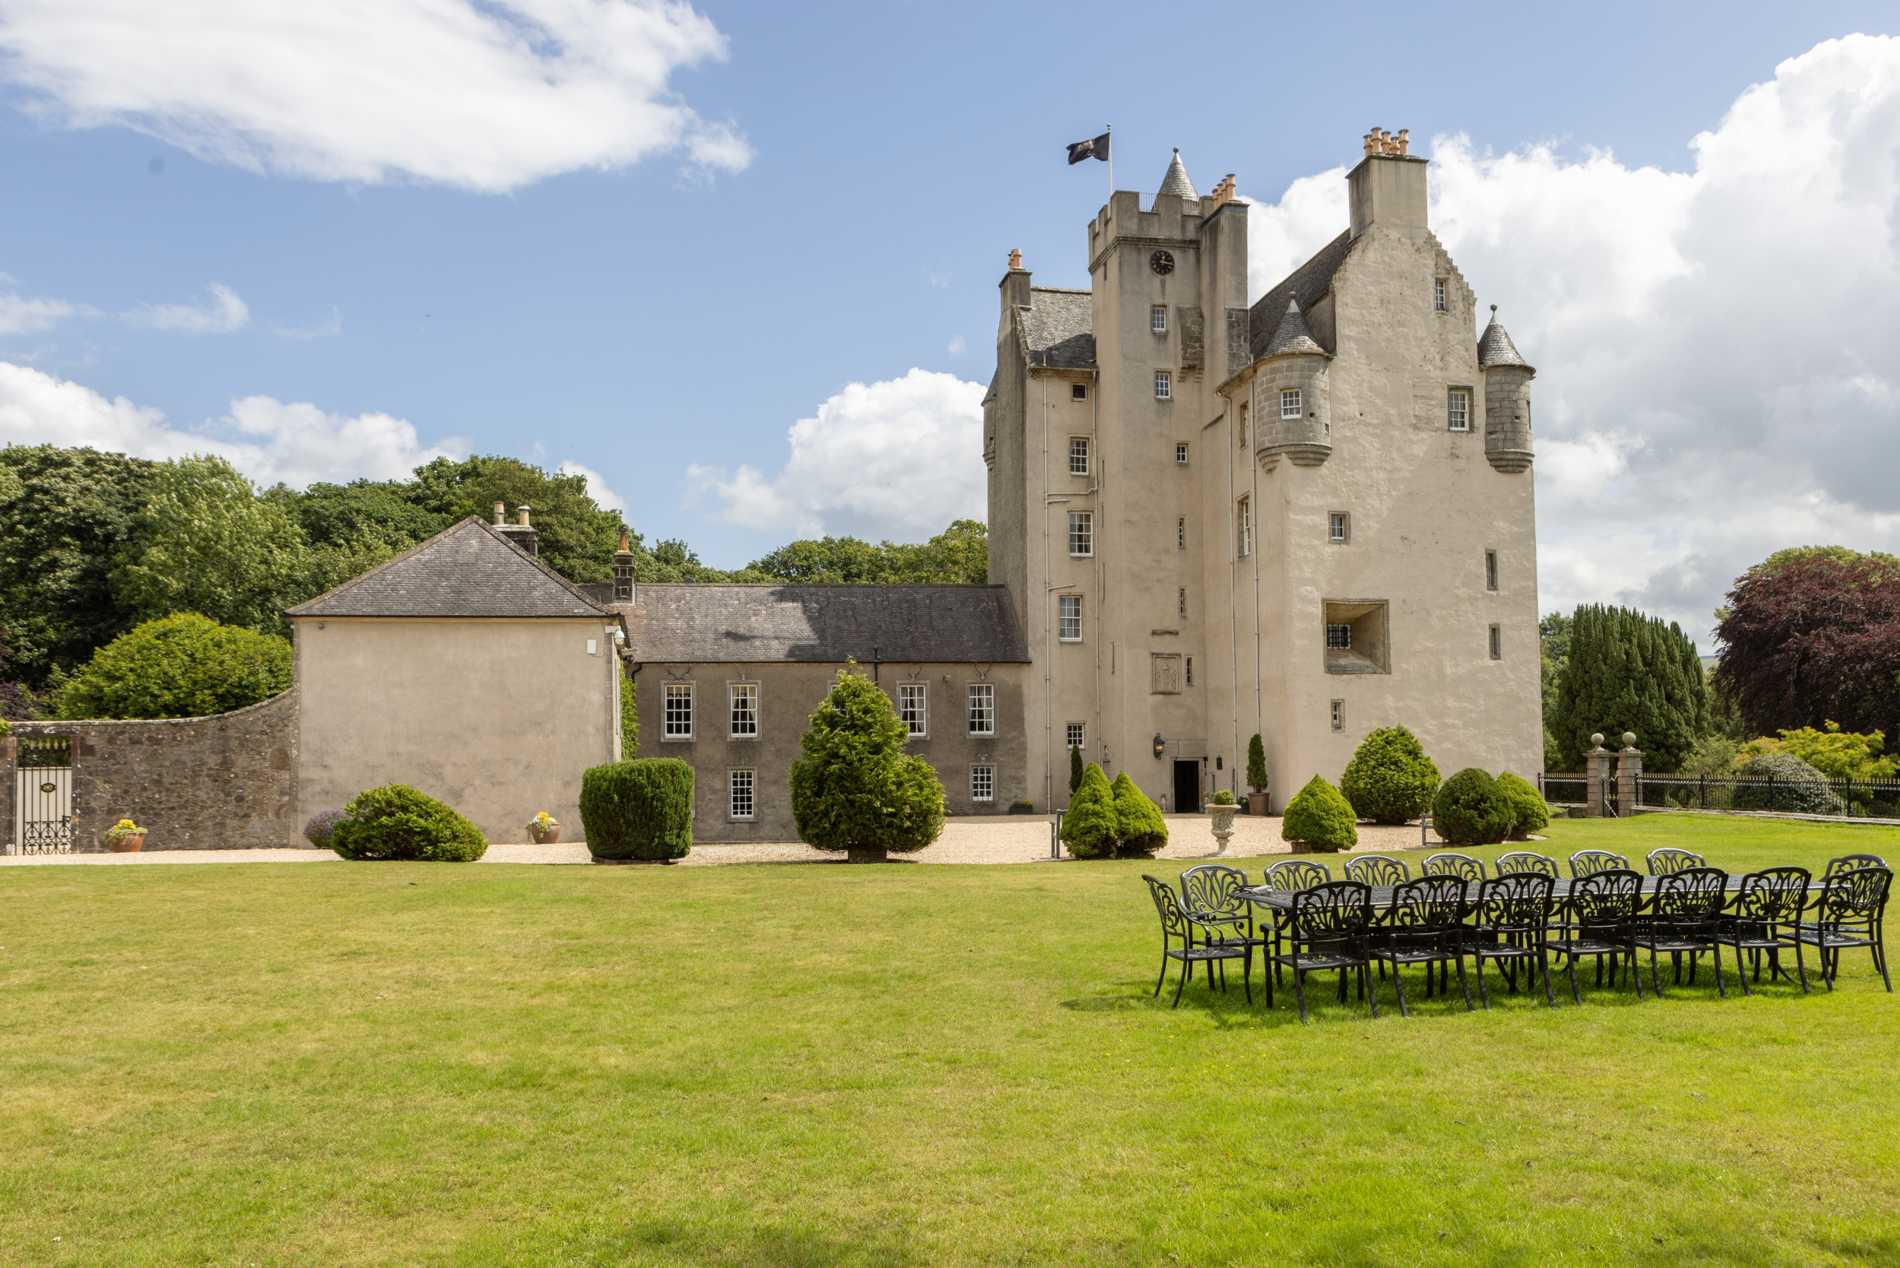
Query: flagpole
{"type": "Point", "coordinates": [1109, 131]}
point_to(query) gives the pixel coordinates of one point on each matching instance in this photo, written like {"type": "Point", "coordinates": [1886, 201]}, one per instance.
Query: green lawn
{"type": "Point", "coordinates": [896, 1065]}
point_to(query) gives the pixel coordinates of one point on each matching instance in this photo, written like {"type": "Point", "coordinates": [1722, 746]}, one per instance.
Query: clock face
{"type": "Point", "coordinates": [1162, 262]}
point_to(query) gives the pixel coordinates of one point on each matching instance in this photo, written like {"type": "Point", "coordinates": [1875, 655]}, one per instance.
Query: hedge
{"type": "Point", "coordinates": [1471, 809]}
{"type": "Point", "coordinates": [641, 809]}
{"type": "Point", "coordinates": [400, 822]}
{"type": "Point", "coordinates": [1320, 818]}
{"type": "Point", "coordinates": [1798, 788]}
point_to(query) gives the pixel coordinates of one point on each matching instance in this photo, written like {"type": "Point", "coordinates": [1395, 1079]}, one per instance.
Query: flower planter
{"type": "Point", "coordinates": [1221, 820]}
{"type": "Point", "coordinates": [545, 836]}
{"type": "Point", "coordinates": [130, 843]}
{"type": "Point", "coordinates": [1256, 803]}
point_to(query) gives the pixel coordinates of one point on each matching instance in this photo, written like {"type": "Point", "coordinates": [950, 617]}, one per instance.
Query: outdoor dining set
{"type": "Point", "coordinates": [1517, 920]}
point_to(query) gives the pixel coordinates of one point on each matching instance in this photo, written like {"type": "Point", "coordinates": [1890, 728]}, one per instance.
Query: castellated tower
{"type": "Point", "coordinates": [1307, 517]}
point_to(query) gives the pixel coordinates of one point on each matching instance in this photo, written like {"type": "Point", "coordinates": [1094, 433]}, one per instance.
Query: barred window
{"type": "Point", "coordinates": [676, 711]}
{"type": "Point", "coordinates": [1180, 601]}
{"type": "Point", "coordinates": [1180, 532]}
{"type": "Point", "coordinates": [983, 783]}
{"type": "Point", "coordinates": [913, 706]}
{"type": "Point", "coordinates": [739, 784]}
{"type": "Point", "coordinates": [1069, 618]}
{"type": "Point", "coordinates": [1339, 636]}
{"type": "Point", "coordinates": [745, 709]}
{"type": "Point", "coordinates": [1164, 385]}
{"type": "Point", "coordinates": [1078, 392]}
{"type": "Point", "coordinates": [1078, 455]}
{"type": "Point", "coordinates": [1290, 406]}
{"type": "Point", "coordinates": [1081, 534]}
{"type": "Point", "coordinates": [982, 708]}
{"type": "Point", "coordinates": [1077, 734]}
{"type": "Point", "coordinates": [1458, 409]}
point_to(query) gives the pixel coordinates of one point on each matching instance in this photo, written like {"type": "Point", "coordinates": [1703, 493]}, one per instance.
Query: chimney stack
{"type": "Point", "coordinates": [623, 568]}
{"type": "Point", "coordinates": [521, 532]}
{"type": "Point", "coordinates": [1387, 189]}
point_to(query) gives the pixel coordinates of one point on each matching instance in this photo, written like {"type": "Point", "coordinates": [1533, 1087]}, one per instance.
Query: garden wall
{"type": "Point", "coordinates": [222, 782]}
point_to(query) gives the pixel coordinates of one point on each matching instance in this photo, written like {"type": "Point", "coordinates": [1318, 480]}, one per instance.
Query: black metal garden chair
{"type": "Point", "coordinates": [1599, 921]}
{"type": "Point", "coordinates": [1670, 859]}
{"type": "Point", "coordinates": [1850, 915]}
{"type": "Point", "coordinates": [1423, 926]}
{"type": "Point", "coordinates": [1526, 863]}
{"type": "Point", "coordinates": [1463, 866]}
{"type": "Point", "coordinates": [1764, 919]}
{"type": "Point", "coordinates": [1510, 922]}
{"type": "Point", "coordinates": [1850, 863]}
{"type": "Point", "coordinates": [1175, 927]}
{"type": "Point", "coordinates": [1326, 930]}
{"type": "Point", "coordinates": [1211, 902]}
{"type": "Point", "coordinates": [1380, 871]}
{"type": "Point", "coordinates": [1289, 876]}
{"type": "Point", "coordinates": [1682, 919]}
{"type": "Point", "coordinates": [1590, 862]}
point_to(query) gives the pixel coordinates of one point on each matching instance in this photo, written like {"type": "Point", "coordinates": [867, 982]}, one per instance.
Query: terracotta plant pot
{"type": "Point", "coordinates": [130, 843]}
{"type": "Point", "coordinates": [546, 836]}
{"type": "Point", "coordinates": [1256, 803]}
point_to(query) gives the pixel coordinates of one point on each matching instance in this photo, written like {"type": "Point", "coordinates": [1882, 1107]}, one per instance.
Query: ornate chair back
{"type": "Point", "coordinates": [1851, 863]}
{"type": "Point", "coordinates": [1527, 863]}
{"type": "Point", "coordinates": [1463, 866]}
{"type": "Point", "coordinates": [1590, 862]}
{"type": "Point", "coordinates": [1606, 901]}
{"type": "Point", "coordinates": [1671, 859]}
{"type": "Point", "coordinates": [1515, 906]}
{"type": "Point", "coordinates": [1173, 923]}
{"type": "Point", "coordinates": [1212, 891]}
{"type": "Point", "coordinates": [1688, 900]}
{"type": "Point", "coordinates": [1295, 875]}
{"type": "Point", "coordinates": [1772, 897]}
{"type": "Point", "coordinates": [1428, 905]}
{"type": "Point", "coordinates": [1333, 912]}
{"type": "Point", "coordinates": [1855, 897]}
{"type": "Point", "coordinates": [1378, 871]}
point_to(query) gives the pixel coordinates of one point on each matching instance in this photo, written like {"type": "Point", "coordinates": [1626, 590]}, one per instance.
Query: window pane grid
{"type": "Point", "coordinates": [1180, 455]}
{"type": "Point", "coordinates": [1164, 385]}
{"type": "Point", "coordinates": [983, 783]}
{"type": "Point", "coordinates": [1290, 406]}
{"type": "Point", "coordinates": [1458, 410]}
{"type": "Point", "coordinates": [1078, 455]}
{"type": "Point", "coordinates": [913, 706]}
{"type": "Point", "coordinates": [1158, 319]}
{"type": "Point", "coordinates": [1081, 534]}
{"type": "Point", "coordinates": [745, 710]}
{"type": "Point", "coordinates": [1077, 734]}
{"type": "Point", "coordinates": [1339, 636]}
{"type": "Point", "coordinates": [982, 708]}
{"type": "Point", "coordinates": [677, 711]}
{"type": "Point", "coordinates": [740, 784]}
{"type": "Point", "coordinates": [1069, 618]}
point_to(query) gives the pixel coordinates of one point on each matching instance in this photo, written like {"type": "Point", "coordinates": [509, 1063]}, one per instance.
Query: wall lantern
{"type": "Point", "coordinates": [1161, 746]}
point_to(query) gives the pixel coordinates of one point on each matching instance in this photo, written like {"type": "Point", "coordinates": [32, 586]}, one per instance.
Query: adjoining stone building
{"type": "Point", "coordinates": [1307, 517]}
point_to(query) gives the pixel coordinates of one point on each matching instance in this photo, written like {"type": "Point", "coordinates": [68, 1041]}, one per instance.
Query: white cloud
{"type": "Point", "coordinates": [957, 346]}
{"type": "Point", "coordinates": [597, 487]}
{"type": "Point", "coordinates": [20, 315]}
{"type": "Point", "coordinates": [486, 95]}
{"type": "Point", "coordinates": [223, 313]}
{"type": "Point", "coordinates": [328, 326]}
{"type": "Point", "coordinates": [900, 458]}
{"type": "Point", "coordinates": [1718, 348]}
{"type": "Point", "coordinates": [267, 439]}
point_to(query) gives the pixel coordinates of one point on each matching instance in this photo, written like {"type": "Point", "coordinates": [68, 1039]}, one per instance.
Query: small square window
{"type": "Point", "coordinates": [676, 711]}
{"type": "Point", "coordinates": [1339, 715]}
{"type": "Point", "coordinates": [1078, 455]}
{"type": "Point", "coordinates": [1290, 406]}
{"type": "Point", "coordinates": [983, 783]}
{"type": "Point", "coordinates": [1338, 527]}
{"type": "Point", "coordinates": [739, 790]}
{"type": "Point", "coordinates": [982, 708]}
{"type": "Point", "coordinates": [1491, 570]}
{"type": "Point", "coordinates": [1076, 733]}
{"type": "Point", "coordinates": [1189, 671]}
{"type": "Point", "coordinates": [1339, 637]}
{"type": "Point", "coordinates": [1180, 455]}
{"type": "Point", "coordinates": [1164, 385]}
{"type": "Point", "coordinates": [913, 708]}
{"type": "Point", "coordinates": [744, 700]}
{"type": "Point", "coordinates": [1078, 391]}
{"type": "Point", "coordinates": [1180, 532]}
{"type": "Point", "coordinates": [1497, 642]}
{"type": "Point", "coordinates": [1069, 618]}
{"type": "Point", "coordinates": [1158, 318]}
{"type": "Point", "coordinates": [1458, 409]}
{"type": "Point", "coordinates": [1439, 302]}
{"type": "Point", "coordinates": [1081, 534]}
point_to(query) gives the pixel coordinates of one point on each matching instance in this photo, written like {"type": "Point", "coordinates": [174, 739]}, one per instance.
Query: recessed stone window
{"type": "Point", "coordinates": [1164, 385]}
{"type": "Point", "coordinates": [739, 785]}
{"type": "Point", "coordinates": [1357, 636]}
{"type": "Point", "coordinates": [1440, 300]}
{"type": "Point", "coordinates": [1158, 318]}
{"type": "Point", "coordinates": [1339, 715]}
{"type": "Point", "coordinates": [1458, 409]}
{"type": "Point", "coordinates": [1078, 391]}
{"type": "Point", "coordinates": [1497, 642]}
{"type": "Point", "coordinates": [1491, 570]}
{"type": "Point", "coordinates": [1181, 455]}
{"type": "Point", "coordinates": [1338, 527]}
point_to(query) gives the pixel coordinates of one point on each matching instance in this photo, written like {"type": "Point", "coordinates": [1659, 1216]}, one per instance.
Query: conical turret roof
{"type": "Point", "coordinates": [1292, 335]}
{"type": "Point", "coordinates": [1176, 181]}
{"type": "Point", "coordinates": [1495, 346]}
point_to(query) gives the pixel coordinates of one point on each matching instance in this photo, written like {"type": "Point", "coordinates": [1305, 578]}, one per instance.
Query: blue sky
{"type": "Point", "coordinates": [649, 316]}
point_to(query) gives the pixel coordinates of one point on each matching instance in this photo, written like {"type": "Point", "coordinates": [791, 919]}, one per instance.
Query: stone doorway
{"type": "Point", "coordinates": [1187, 786]}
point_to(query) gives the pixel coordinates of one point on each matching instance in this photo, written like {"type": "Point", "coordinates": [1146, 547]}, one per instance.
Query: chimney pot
{"type": "Point", "coordinates": [521, 515]}
{"type": "Point", "coordinates": [1015, 258]}
{"type": "Point", "coordinates": [501, 511]}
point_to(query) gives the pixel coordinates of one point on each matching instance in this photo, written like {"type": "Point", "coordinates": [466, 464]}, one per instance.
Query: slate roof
{"type": "Point", "coordinates": [466, 570]}
{"type": "Point", "coordinates": [669, 624]}
{"type": "Point", "coordinates": [1495, 346]}
{"type": "Point", "coordinates": [1304, 286]}
{"type": "Point", "coordinates": [1058, 329]}
{"type": "Point", "coordinates": [1292, 335]}
{"type": "Point", "coordinates": [1176, 181]}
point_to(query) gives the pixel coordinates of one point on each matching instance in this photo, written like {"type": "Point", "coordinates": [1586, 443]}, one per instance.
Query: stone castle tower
{"type": "Point", "coordinates": [1307, 517]}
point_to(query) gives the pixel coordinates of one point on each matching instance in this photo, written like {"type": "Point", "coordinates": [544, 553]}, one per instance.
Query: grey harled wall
{"type": "Point", "coordinates": [222, 782]}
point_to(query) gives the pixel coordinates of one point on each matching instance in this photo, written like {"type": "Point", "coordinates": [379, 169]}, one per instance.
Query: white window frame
{"type": "Point", "coordinates": [1068, 616]}
{"type": "Point", "coordinates": [1164, 385]}
{"type": "Point", "coordinates": [1081, 534]}
{"type": "Point", "coordinates": [735, 692]}
{"type": "Point", "coordinates": [1338, 527]}
{"type": "Point", "coordinates": [1181, 454]}
{"type": "Point", "coordinates": [1077, 735]}
{"type": "Point", "coordinates": [1158, 318]}
{"type": "Point", "coordinates": [1496, 641]}
{"type": "Point", "coordinates": [1441, 295]}
{"type": "Point", "coordinates": [1292, 402]}
{"type": "Point", "coordinates": [1243, 523]}
{"type": "Point", "coordinates": [743, 777]}
{"type": "Point", "coordinates": [1458, 409]}
{"type": "Point", "coordinates": [1491, 571]}
{"type": "Point", "coordinates": [913, 707]}
{"type": "Point", "coordinates": [982, 708]}
{"type": "Point", "coordinates": [670, 692]}
{"type": "Point", "coordinates": [983, 782]}
{"type": "Point", "coordinates": [1339, 636]}
{"type": "Point", "coordinates": [1079, 454]}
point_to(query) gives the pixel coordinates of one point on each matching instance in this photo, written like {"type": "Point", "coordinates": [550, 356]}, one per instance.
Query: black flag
{"type": "Point", "coordinates": [1096, 148]}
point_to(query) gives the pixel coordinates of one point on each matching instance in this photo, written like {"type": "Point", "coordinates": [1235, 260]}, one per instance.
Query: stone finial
{"type": "Point", "coordinates": [1596, 739]}
{"type": "Point", "coordinates": [1015, 260]}
{"type": "Point", "coordinates": [1629, 739]}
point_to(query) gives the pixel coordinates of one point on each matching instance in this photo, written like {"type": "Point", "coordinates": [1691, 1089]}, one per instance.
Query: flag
{"type": "Point", "coordinates": [1096, 148]}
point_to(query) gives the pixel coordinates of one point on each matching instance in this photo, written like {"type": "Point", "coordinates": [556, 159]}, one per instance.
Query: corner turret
{"type": "Point", "coordinates": [1507, 399]}
{"type": "Point", "coordinates": [1290, 400]}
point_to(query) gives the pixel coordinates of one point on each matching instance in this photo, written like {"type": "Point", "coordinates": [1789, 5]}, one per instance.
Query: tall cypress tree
{"type": "Point", "coordinates": [1630, 672]}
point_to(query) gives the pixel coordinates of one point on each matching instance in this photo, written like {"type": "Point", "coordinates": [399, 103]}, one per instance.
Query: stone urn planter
{"type": "Point", "coordinates": [1221, 820]}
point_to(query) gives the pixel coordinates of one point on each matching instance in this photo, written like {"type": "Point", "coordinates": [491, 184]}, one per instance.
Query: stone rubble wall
{"type": "Point", "coordinates": [228, 781]}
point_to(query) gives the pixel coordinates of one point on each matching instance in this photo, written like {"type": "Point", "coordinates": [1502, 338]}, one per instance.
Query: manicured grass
{"type": "Point", "coordinates": [898, 1065]}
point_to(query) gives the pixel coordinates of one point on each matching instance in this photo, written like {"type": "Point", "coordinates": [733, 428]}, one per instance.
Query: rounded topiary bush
{"type": "Point", "coordinates": [400, 822]}
{"type": "Point", "coordinates": [1796, 787]}
{"type": "Point", "coordinates": [1320, 818]}
{"type": "Point", "coordinates": [854, 788]}
{"type": "Point", "coordinates": [1390, 779]}
{"type": "Point", "coordinates": [1139, 828]}
{"type": "Point", "coordinates": [1090, 828]}
{"type": "Point", "coordinates": [1528, 812]}
{"type": "Point", "coordinates": [322, 824]}
{"type": "Point", "coordinates": [642, 809]}
{"type": "Point", "coordinates": [1471, 809]}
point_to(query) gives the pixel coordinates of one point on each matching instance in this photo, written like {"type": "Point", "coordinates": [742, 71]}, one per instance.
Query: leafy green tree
{"type": "Point", "coordinates": [577, 538]}
{"type": "Point", "coordinates": [1091, 829]}
{"type": "Point", "coordinates": [385, 512]}
{"type": "Point", "coordinates": [1630, 672]}
{"type": "Point", "coordinates": [1837, 754]}
{"type": "Point", "coordinates": [1075, 768]}
{"type": "Point", "coordinates": [1320, 818]}
{"type": "Point", "coordinates": [1783, 782]}
{"type": "Point", "coordinates": [65, 514]}
{"type": "Point", "coordinates": [1470, 809]}
{"type": "Point", "coordinates": [1390, 780]}
{"type": "Point", "coordinates": [1257, 764]}
{"type": "Point", "coordinates": [178, 666]}
{"type": "Point", "coordinates": [854, 789]}
{"type": "Point", "coordinates": [1139, 828]}
{"type": "Point", "coordinates": [206, 543]}
{"type": "Point", "coordinates": [957, 556]}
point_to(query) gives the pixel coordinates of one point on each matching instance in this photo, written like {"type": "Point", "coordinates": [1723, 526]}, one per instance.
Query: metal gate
{"type": "Point", "coordinates": [43, 795]}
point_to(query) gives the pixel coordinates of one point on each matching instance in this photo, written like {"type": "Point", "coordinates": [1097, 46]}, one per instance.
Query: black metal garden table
{"type": "Point", "coordinates": [1282, 900]}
